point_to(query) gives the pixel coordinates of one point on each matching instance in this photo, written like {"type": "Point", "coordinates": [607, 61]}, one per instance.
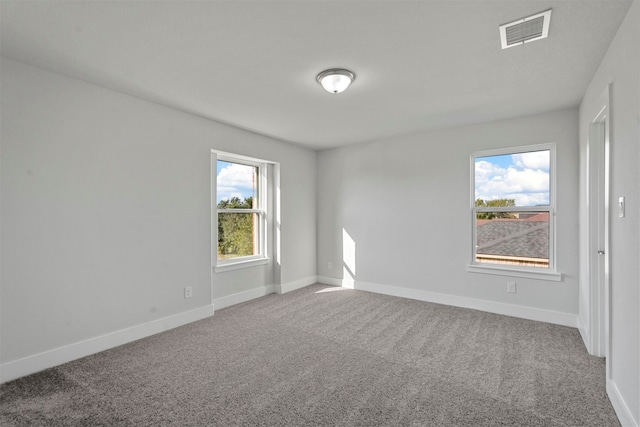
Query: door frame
{"type": "Point", "coordinates": [599, 223]}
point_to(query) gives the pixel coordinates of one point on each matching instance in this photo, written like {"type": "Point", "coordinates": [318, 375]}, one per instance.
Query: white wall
{"type": "Point", "coordinates": [106, 214]}
{"type": "Point", "coordinates": [405, 203]}
{"type": "Point", "coordinates": [621, 68]}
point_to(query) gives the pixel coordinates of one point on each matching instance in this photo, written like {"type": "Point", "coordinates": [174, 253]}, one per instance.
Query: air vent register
{"type": "Point", "coordinates": [525, 30]}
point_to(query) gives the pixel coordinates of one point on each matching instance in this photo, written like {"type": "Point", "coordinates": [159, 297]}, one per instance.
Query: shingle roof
{"type": "Point", "coordinates": [514, 237]}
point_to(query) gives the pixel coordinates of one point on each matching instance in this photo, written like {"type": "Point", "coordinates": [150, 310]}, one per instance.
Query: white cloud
{"type": "Point", "coordinates": [235, 180]}
{"type": "Point", "coordinates": [486, 171]}
{"type": "Point", "coordinates": [525, 180]}
{"type": "Point", "coordinates": [532, 199]}
{"type": "Point", "coordinates": [538, 160]}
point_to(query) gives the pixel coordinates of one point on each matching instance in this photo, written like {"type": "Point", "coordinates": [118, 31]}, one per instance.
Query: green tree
{"type": "Point", "coordinates": [497, 203]}
{"type": "Point", "coordinates": [235, 230]}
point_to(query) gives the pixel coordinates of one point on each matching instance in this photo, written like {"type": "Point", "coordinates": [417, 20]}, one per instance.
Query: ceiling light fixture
{"type": "Point", "coordinates": [335, 80]}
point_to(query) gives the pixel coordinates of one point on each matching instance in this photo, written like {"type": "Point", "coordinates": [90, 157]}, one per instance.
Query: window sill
{"type": "Point", "coordinates": [240, 264]}
{"type": "Point", "coordinates": [552, 276]}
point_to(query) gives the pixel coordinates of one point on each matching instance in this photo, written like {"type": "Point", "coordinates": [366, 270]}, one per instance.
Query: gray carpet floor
{"type": "Point", "coordinates": [327, 356]}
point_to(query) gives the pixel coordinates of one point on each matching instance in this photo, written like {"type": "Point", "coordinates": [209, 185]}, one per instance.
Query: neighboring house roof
{"type": "Point", "coordinates": [527, 237]}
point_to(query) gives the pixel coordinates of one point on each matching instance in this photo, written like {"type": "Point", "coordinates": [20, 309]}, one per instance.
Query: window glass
{"type": "Point", "coordinates": [517, 238]}
{"type": "Point", "coordinates": [237, 235]}
{"type": "Point", "coordinates": [237, 181]}
{"type": "Point", "coordinates": [240, 217]}
{"type": "Point", "coordinates": [520, 179]}
{"type": "Point", "coordinates": [512, 209]}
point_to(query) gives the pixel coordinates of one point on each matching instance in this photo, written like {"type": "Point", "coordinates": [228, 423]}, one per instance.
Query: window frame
{"type": "Point", "coordinates": [549, 273]}
{"type": "Point", "coordinates": [261, 210]}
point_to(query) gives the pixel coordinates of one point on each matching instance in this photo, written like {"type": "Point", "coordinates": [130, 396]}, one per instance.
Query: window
{"type": "Point", "coordinates": [513, 209]}
{"type": "Point", "coordinates": [240, 210]}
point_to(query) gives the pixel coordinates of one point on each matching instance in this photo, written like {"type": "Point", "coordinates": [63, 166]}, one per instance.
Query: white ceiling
{"type": "Point", "coordinates": [420, 65]}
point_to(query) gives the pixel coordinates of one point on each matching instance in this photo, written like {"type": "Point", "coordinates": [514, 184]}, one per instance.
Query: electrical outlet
{"type": "Point", "coordinates": [188, 292]}
{"type": "Point", "coordinates": [511, 287]}
{"type": "Point", "coordinates": [329, 265]}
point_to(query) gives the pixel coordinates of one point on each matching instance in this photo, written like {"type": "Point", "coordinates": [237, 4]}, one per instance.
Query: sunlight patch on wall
{"type": "Point", "coordinates": [348, 260]}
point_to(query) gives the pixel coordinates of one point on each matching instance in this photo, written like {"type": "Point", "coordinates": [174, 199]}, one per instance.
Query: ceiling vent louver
{"type": "Point", "coordinates": [525, 30]}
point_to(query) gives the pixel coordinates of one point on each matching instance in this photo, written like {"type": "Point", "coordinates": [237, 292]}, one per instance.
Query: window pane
{"type": "Point", "coordinates": [236, 186]}
{"type": "Point", "coordinates": [520, 179]}
{"type": "Point", "coordinates": [238, 235]}
{"type": "Point", "coordinates": [513, 238]}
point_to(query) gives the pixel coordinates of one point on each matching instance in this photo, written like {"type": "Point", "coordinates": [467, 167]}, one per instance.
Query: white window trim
{"type": "Point", "coordinates": [261, 210]}
{"type": "Point", "coordinates": [549, 273]}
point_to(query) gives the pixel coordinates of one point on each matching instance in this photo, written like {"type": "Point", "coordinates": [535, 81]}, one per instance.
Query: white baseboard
{"type": "Point", "coordinates": [245, 296]}
{"type": "Point", "coordinates": [261, 291]}
{"type": "Point", "coordinates": [332, 281]}
{"type": "Point", "coordinates": [619, 405]}
{"type": "Point", "coordinates": [584, 334]}
{"type": "Point", "coordinates": [529, 313]}
{"type": "Point", "coordinates": [48, 359]}
{"type": "Point", "coordinates": [296, 284]}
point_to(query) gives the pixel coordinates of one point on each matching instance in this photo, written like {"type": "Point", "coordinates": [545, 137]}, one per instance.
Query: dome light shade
{"type": "Point", "coordinates": [335, 80]}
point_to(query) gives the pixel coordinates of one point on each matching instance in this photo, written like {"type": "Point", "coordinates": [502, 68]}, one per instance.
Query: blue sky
{"type": "Point", "coordinates": [523, 177]}
{"type": "Point", "coordinates": [234, 180]}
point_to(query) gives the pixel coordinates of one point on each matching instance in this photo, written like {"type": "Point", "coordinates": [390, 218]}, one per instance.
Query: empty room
{"type": "Point", "coordinates": [337, 213]}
